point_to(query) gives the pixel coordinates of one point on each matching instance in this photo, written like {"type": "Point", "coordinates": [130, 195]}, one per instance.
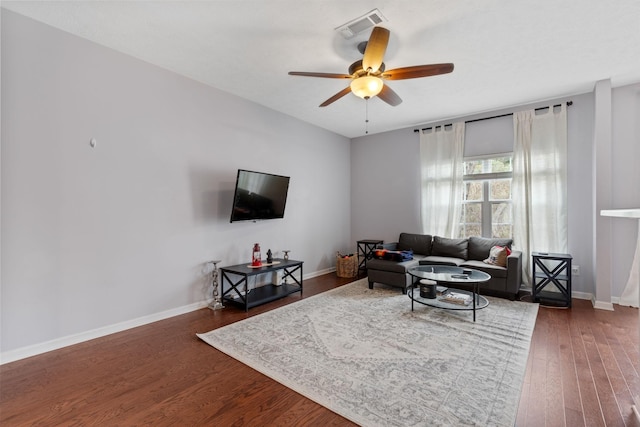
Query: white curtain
{"type": "Point", "coordinates": [441, 155]}
{"type": "Point", "coordinates": [539, 188]}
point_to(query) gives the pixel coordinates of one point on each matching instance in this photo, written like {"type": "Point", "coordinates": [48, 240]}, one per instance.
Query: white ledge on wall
{"type": "Point", "coordinates": [621, 213]}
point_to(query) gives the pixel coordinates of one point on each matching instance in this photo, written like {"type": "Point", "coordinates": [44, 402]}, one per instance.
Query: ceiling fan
{"type": "Point", "coordinates": [367, 74]}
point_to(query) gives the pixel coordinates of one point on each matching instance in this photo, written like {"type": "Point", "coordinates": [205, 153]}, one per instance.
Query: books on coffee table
{"type": "Point", "coordinates": [457, 298]}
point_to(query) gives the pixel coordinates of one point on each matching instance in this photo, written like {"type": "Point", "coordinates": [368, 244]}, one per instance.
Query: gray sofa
{"type": "Point", "coordinates": [505, 281]}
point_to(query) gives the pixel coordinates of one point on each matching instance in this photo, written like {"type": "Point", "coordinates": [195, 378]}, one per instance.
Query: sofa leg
{"type": "Point", "coordinates": [404, 291]}
{"type": "Point", "coordinates": [370, 284]}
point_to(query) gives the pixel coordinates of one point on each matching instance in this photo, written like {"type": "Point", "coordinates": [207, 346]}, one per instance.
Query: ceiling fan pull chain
{"type": "Point", "coordinates": [366, 117]}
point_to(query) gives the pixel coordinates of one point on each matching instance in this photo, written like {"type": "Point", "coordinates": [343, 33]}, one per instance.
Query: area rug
{"type": "Point", "coordinates": [365, 355]}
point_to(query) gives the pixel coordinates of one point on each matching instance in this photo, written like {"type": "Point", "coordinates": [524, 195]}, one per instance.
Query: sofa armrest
{"type": "Point", "coordinates": [514, 272]}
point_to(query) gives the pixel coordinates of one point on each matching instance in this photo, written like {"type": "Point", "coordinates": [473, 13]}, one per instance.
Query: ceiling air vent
{"type": "Point", "coordinates": [358, 25]}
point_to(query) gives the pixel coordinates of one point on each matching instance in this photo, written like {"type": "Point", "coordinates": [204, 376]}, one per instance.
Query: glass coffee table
{"type": "Point", "coordinates": [446, 277]}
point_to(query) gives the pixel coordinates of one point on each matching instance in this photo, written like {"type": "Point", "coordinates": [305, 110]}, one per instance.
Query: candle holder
{"type": "Point", "coordinates": [216, 304]}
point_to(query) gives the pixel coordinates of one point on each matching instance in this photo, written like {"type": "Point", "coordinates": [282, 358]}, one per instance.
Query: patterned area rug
{"type": "Point", "coordinates": [365, 355]}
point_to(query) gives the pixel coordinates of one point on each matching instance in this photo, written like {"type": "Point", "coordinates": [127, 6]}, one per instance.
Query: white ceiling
{"type": "Point", "coordinates": [505, 52]}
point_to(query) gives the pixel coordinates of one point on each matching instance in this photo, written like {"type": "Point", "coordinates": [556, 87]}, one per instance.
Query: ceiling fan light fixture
{"type": "Point", "coordinates": [366, 86]}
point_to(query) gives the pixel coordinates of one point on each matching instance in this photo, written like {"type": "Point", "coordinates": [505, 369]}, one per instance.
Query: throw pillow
{"type": "Point", "coordinates": [498, 256]}
{"type": "Point", "coordinates": [479, 247]}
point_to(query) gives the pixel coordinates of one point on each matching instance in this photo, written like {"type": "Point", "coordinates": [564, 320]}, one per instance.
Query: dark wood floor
{"type": "Point", "coordinates": [582, 370]}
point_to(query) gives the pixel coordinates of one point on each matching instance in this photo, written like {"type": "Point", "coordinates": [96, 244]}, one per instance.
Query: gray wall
{"type": "Point", "coordinates": [625, 156]}
{"type": "Point", "coordinates": [99, 239]}
{"type": "Point", "coordinates": [385, 177]}
{"type": "Point", "coordinates": [95, 240]}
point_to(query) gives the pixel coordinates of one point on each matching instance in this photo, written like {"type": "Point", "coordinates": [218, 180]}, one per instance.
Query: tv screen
{"type": "Point", "coordinates": [259, 196]}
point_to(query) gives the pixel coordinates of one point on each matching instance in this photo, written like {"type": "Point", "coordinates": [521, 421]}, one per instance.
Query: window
{"type": "Point", "coordinates": [486, 199]}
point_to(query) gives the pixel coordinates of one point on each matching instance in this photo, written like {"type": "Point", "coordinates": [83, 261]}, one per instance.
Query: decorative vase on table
{"type": "Point", "coordinates": [256, 259]}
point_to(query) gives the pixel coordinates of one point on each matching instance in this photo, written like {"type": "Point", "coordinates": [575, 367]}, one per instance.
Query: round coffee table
{"type": "Point", "coordinates": [449, 276]}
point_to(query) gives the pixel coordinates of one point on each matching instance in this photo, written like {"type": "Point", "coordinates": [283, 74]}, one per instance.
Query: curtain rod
{"type": "Point", "coordinates": [494, 117]}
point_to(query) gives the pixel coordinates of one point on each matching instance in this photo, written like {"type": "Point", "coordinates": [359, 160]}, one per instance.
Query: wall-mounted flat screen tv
{"type": "Point", "coordinates": [259, 196]}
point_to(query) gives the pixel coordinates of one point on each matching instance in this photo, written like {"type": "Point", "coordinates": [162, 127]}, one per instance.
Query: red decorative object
{"type": "Point", "coordinates": [256, 259]}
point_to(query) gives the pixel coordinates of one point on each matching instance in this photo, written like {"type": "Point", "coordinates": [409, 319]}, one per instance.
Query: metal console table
{"type": "Point", "coordinates": [235, 283]}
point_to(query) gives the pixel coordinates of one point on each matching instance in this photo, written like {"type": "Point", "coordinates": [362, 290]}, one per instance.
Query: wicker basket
{"type": "Point", "coordinates": [346, 266]}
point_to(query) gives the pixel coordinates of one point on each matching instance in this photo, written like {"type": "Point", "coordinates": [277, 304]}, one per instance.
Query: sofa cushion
{"type": "Point", "coordinates": [456, 248]}
{"type": "Point", "coordinates": [391, 266]}
{"type": "Point", "coordinates": [441, 260]}
{"type": "Point", "coordinates": [418, 243]}
{"type": "Point", "coordinates": [479, 247]}
{"type": "Point", "coordinates": [493, 270]}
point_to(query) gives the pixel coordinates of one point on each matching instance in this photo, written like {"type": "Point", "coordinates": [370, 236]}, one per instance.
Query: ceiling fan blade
{"type": "Point", "coordinates": [389, 96]}
{"type": "Point", "coordinates": [325, 75]}
{"type": "Point", "coordinates": [337, 96]}
{"type": "Point", "coordinates": [376, 47]}
{"type": "Point", "coordinates": [417, 71]}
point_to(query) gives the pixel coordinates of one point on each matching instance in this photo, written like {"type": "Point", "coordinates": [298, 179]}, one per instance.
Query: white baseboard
{"type": "Point", "coordinates": [582, 295]}
{"type": "Point", "coordinates": [602, 305]}
{"type": "Point", "coordinates": [35, 349]}
{"type": "Point", "coordinates": [319, 273]}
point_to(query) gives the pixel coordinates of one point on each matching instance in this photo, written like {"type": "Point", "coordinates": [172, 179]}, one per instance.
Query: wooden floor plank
{"type": "Point", "coordinates": [580, 338]}
{"type": "Point", "coordinates": [554, 410]}
{"type": "Point", "coordinates": [573, 412]}
{"type": "Point", "coordinates": [582, 370]}
{"type": "Point", "coordinates": [604, 390]}
{"type": "Point", "coordinates": [625, 386]}
{"type": "Point", "coordinates": [537, 397]}
{"type": "Point", "coordinates": [521, 418]}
